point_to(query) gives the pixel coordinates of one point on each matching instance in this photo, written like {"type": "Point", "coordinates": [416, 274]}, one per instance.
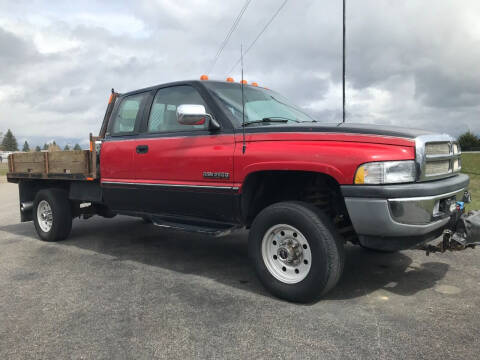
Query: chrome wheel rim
{"type": "Point", "coordinates": [286, 253]}
{"type": "Point", "coordinates": [44, 216]}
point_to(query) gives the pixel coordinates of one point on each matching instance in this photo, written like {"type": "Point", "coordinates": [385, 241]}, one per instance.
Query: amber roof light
{"type": "Point", "coordinates": [230, 79]}
{"type": "Point", "coordinates": [254, 84]}
{"type": "Point", "coordinates": [204, 77]}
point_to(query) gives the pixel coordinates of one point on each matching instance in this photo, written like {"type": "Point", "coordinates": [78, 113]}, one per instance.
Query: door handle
{"type": "Point", "coordinates": [142, 149]}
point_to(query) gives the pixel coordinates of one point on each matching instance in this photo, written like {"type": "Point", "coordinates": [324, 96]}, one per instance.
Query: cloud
{"type": "Point", "coordinates": [409, 63]}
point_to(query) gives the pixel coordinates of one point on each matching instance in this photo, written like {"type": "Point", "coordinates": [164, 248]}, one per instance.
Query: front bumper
{"type": "Point", "coordinates": [394, 217]}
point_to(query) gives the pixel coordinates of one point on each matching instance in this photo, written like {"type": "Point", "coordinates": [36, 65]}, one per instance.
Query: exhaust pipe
{"type": "Point", "coordinates": [26, 206]}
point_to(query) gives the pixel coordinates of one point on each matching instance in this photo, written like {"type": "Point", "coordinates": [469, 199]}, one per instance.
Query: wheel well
{"type": "Point", "coordinates": [28, 189]}
{"type": "Point", "coordinates": [264, 188]}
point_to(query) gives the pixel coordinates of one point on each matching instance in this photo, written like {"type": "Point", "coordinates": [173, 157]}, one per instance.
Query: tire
{"type": "Point", "coordinates": [60, 211]}
{"type": "Point", "coordinates": [300, 226]}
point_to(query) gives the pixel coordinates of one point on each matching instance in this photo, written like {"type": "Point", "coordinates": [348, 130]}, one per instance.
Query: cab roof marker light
{"type": "Point", "coordinates": [204, 77]}
{"type": "Point", "coordinates": [244, 82]}
{"type": "Point", "coordinates": [230, 79]}
{"type": "Point", "coordinates": [254, 84]}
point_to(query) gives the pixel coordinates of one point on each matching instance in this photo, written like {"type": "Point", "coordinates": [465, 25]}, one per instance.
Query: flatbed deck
{"type": "Point", "coordinates": [53, 165]}
{"type": "Point", "coordinates": [66, 165]}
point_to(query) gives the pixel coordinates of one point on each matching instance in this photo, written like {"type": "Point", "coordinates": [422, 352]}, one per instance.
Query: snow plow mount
{"type": "Point", "coordinates": [463, 232]}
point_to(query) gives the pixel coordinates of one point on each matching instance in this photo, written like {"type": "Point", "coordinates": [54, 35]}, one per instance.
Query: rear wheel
{"type": "Point", "coordinates": [52, 214]}
{"type": "Point", "coordinates": [296, 251]}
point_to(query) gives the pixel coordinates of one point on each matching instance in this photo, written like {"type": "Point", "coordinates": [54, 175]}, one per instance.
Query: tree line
{"type": "Point", "coordinates": [9, 143]}
{"type": "Point", "coordinates": [469, 141]}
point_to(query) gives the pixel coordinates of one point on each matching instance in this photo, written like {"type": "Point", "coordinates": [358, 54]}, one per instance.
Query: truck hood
{"type": "Point", "coordinates": [347, 128]}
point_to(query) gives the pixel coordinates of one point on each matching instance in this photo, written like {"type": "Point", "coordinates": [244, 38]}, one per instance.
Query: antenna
{"type": "Point", "coordinates": [343, 70]}
{"type": "Point", "coordinates": [244, 147]}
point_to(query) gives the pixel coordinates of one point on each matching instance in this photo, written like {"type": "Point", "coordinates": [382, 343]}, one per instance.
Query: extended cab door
{"type": "Point", "coordinates": [117, 154]}
{"type": "Point", "coordinates": [180, 169]}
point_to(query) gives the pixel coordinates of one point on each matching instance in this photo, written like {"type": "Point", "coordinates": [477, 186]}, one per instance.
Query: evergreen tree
{"type": "Point", "coordinates": [9, 142]}
{"type": "Point", "coordinates": [66, 148]}
{"type": "Point", "coordinates": [468, 140]}
{"type": "Point", "coordinates": [54, 147]}
{"type": "Point", "coordinates": [37, 148]}
{"type": "Point", "coordinates": [45, 146]}
{"type": "Point", "coordinates": [26, 147]}
{"type": "Point", "coordinates": [77, 147]}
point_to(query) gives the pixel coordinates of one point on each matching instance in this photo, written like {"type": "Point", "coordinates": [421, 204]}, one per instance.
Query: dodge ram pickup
{"type": "Point", "coordinates": [213, 156]}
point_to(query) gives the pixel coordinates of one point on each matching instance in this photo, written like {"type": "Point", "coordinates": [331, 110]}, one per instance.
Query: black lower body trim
{"type": "Point", "coordinates": [205, 202]}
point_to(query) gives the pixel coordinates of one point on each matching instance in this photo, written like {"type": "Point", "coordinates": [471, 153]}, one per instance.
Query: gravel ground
{"type": "Point", "coordinates": [123, 289]}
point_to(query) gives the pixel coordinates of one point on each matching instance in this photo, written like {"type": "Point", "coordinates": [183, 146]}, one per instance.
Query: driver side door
{"type": "Point", "coordinates": [183, 170]}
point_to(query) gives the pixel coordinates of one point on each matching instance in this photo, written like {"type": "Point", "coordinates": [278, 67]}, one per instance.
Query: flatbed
{"type": "Point", "coordinates": [58, 165]}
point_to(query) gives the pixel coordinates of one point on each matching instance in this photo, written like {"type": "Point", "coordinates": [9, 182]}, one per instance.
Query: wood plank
{"type": "Point", "coordinates": [68, 162]}
{"type": "Point", "coordinates": [27, 162]}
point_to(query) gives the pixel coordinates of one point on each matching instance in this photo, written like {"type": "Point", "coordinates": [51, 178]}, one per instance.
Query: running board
{"type": "Point", "coordinates": [208, 228]}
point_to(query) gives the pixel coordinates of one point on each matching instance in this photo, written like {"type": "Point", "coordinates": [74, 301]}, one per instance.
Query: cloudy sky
{"type": "Point", "coordinates": [410, 63]}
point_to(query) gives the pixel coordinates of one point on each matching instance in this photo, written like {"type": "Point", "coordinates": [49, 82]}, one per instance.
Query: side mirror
{"type": "Point", "coordinates": [189, 114]}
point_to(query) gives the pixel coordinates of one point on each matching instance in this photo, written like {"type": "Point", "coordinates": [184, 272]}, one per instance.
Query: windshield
{"type": "Point", "coordinates": [262, 106]}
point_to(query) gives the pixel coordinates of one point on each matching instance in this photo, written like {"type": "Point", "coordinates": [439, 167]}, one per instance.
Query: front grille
{"type": "Point", "coordinates": [437, 156]}
{"type": "Point", "coordinates": [437, 149]}
{"type": "Point", "coordinates": [437, 167]}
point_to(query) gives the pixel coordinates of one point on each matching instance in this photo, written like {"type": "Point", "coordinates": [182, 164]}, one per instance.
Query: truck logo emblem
{"type": "Point", "coordinates": [216, 175]}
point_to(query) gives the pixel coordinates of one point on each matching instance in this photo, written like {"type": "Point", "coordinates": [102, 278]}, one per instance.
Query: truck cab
{"type": "Point", "coordinates": [213, 157]}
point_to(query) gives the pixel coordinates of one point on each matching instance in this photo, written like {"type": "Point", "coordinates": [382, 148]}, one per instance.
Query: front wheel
{"type": "Point", "coordinates": [296, 251]}
{"type": "Point", "coordinates": [52, 214]}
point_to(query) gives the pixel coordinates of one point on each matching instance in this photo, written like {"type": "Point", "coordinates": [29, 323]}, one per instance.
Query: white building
{"type": "Point", "coordinates": [4, 156]}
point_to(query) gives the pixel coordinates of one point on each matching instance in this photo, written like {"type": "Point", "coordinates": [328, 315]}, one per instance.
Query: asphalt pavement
{"type": "Point", "coordinates": [122, 289]}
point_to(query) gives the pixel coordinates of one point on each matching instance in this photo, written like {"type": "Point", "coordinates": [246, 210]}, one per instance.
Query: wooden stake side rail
{"type": "Point", "coordinates": [58, 165]}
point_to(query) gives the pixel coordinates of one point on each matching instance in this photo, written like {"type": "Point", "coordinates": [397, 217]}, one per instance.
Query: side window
{"type": "Point", "coordinates": [127, 114]}
{"type": "Point", "coordinates": [163, 115]}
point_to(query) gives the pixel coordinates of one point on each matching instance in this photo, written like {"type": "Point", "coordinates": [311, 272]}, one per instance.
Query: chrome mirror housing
{"type": "Point", "coordinates": [190, 114]}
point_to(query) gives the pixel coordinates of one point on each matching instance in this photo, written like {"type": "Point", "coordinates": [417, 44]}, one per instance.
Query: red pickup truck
{"type": "Point", "coordinates": [197, 156]}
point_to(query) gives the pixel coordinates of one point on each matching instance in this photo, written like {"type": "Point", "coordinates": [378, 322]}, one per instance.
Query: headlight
{"type": "Point", "coordinates": [386, 172]}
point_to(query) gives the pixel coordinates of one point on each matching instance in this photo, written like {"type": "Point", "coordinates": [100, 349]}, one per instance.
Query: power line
{"type": "Point", "coordinates": [229, 34]}
{"type": "Point", "coordinates": [260, 33]}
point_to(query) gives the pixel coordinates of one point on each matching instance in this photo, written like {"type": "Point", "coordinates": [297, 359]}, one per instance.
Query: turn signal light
{"type": "Point", "coordinates": [243, 82]}
{"type": "Point", "coordinates": [230, 79]}
{"type": "Point", "coordinates": [254, 84]}
{"type": "Point", "coordinates": [204, 77]}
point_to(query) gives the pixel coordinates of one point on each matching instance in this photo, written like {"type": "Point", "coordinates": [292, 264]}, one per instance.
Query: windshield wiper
{"type": "Point", "coordinates": [272, 119]}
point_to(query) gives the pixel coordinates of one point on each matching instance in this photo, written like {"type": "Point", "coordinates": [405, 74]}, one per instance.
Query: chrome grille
{"type": "Point", "coordinates": [437, 149]}
{"type": "Point", "coordinates": [437, 167]}
{"type": "Point", "coordinates": [437, 156]}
